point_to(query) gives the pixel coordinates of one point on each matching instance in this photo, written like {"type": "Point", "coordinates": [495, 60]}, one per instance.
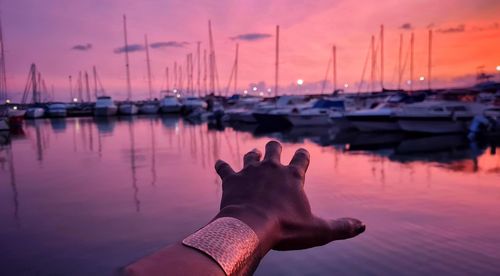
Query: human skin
{"type": "Point", "coordinates": [269, 197]}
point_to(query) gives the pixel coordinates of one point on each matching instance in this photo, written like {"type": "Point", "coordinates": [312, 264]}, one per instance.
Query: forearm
{"type": "Point", "coordinates": [180, 259]}
{"type": "Point", "coordinates": [176, 259]}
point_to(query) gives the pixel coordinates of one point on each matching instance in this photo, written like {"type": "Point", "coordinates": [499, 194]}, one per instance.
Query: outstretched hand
{"type": "Point", "coordinates": [270, 198]}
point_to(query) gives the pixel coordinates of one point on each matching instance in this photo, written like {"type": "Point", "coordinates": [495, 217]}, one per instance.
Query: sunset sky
{"type": "Point", "coordinates": [63, 37]}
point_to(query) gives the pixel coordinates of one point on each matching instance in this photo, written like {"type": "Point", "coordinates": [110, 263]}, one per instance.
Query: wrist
{"type": "Point", "coordinates": [265, 226]}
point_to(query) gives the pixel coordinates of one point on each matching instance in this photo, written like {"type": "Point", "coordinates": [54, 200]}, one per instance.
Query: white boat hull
{"type": "Point", "coordinates": [372, 126]}
{"type": "Point", "coordinates": [105, 111]}
{"type": "Point", "coordinates": [149, 109]}
{"type": "Point", "coordinates": [57, 113]}
{"type": "Point", "coordinates": [309, 120]}
{"type": "Point", "coordinates": [35, 112]}
{"type": "Point", "coordinates": [443, 125]}
{"type": "Point", "coordinates": [128, 109]}
{"type": "Point", "coordinates": [4, 124]}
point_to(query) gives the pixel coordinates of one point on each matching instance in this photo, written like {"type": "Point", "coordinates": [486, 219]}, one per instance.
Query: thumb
{"type": "Point", "coordinates": [345, 228]}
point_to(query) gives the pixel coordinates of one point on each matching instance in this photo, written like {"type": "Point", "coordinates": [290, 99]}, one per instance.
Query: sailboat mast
{"type": "Point", "coordinates": [372, 72]}
{"type": "Point", "coordinates": [276, 69]}
{"type": "Point", "coordinates": [429, 72]}
{"type": "Point", "coordinates": [94, 73]}
{"type": "Point", "coordinates": [34, 81]}
{"type": "Point", "coordinates": [127, 65]}
{"type": "Point", "coordinates": [236, 69]}
{"type": "Point", "coordinates": [3, 73]}
{"type": "Point", "coordinates": [334, 59]}
{"type": "Point", "coordinates": [80, 86]}
{"type": "Point", "coordinates": [400, 73]}
{"type": "Point", "coordinates": [175, 76]}
{"type": "Point", "coordinates": [412, 43]}
{"type": "Point", "coordinates": [87, 86]}
{"type": "Point", "coordinates": [382, 57]}
{"type": "Point", "coordinates": [70, 88]}
{"type": "Point", "coordinates": [168, 79]}
{"type": "Point", "coordinates": [205, 71]}
{"type": "Point", "coordinates": [198, 83]}
{"type": "Point", "coordinates": [211, 58]}
{"type": "Point", "coordinates": [148, 63]}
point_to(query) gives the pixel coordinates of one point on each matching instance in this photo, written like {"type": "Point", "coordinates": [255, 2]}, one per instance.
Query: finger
{"type": "Point", "coordinates": [300, 161]}
{"type": "Point", "coordinates": [273, 152]}
{"type": "Point", "coordinates": [223, 169]}
{"type": "Point", "coordinates": [252, 157]}
{"type": "Point", "coordinates": [346, 228]}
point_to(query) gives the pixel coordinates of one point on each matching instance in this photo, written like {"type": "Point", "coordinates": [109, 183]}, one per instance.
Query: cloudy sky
{"type": "Point", "coordinates": [63, 37]}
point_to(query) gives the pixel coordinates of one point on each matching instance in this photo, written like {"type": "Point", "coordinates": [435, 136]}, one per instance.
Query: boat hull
{"type": "Point", "coordinates": [434, 125]}
{"type": "Point", "coordinates": [105, 111]}
{"type": "Point", "coordinates": [272, 120]}
{"type": "Point", "coordinates": [374, 123]}
{"type": "Point", "coordinates": [128, 109]}
{"type": "Point", "coordinates": [34, 113]}
{"type": "Point", "coordinates": [309, 120]}
{"type": "Point", "coordinates": [57, 113]}
{"type": "Point", "coordinates": [4, 124]}
{"type": "Point", "coordinates": [149, 109]}
{"type": "Point", "coordinates": [170, 109]}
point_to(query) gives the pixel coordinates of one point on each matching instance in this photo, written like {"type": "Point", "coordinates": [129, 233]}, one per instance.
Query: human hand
{"type": "Point", "coordinates": [270, 198]}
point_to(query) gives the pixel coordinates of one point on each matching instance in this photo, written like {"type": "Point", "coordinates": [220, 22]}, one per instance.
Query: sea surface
{"type": "Point", "coordinates": [80, 196]}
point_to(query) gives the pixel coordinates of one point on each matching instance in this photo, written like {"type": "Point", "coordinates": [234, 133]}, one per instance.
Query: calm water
{"type": "Point", "coordinates": [85, 197]}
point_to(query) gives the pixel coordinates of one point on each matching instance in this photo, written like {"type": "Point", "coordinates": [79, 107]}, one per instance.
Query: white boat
{"type": "Point", "coordinates": [170, 104]}
{"type": "Point", "coordinates": [380, 118]}
{"type": "Point", "coordinates": [4, 124]}
{"type": "Point", "coordinates": [57, 110]}
{"type": "Point", "coordinates": [438, 116]}
{"type": "Point", "coordinates": [104, 106]}
{"type": "Point", "coordinates": [192, 103]}
{"type": "Point", "coordinates": [150, 107]}
{"type": "Point", "coordinates": [322, 113]}
{"type": "Point", "coordinates": [128, 108]}
{"type": "Point", "coordinates": [310, 117]}
{"type": "Point", "coordinates": [16, 117]}
{"type": "Point", "coordinates": [35, 112]}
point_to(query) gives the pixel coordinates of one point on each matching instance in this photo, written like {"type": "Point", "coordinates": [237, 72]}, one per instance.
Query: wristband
{"type": "Point", "coordinates": [229, 241]}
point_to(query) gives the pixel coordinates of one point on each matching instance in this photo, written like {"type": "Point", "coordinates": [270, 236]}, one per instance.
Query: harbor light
{"type": "Point", "coordinates": [261, 94]}
{"type": "Point", "coordinates": [75, 100]}
{"type": "Point", "coordinates": [346, 85]}
{"type": "Point", "coordinates": [14, 107]}
{"type": "Point", "coordinates": [300, 81]}
{"type": "Point", "coordinates": [7, 101]}
{"type": "Point", "coordinates": [178, 95]}
{"type": "Point", "coordinates": [245, 92]}
{"type": "Point", "coordinates": [269, 90]}
{"type": "Point", "coordinates": [254, 88]}
{"type": "Point", "coordinates": [498, 68]}
{"type": "Point", "coordinates": [422, 78]}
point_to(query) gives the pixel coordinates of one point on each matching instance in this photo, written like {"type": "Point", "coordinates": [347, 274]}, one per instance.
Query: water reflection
{"type": "Point", "coordinates": [122, 187]}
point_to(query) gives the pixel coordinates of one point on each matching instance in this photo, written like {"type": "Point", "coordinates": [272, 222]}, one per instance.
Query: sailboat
{"type": "Point", "coordinates": [127, 107]}
{"type": "Point", "coordinates": [34, 82]}
{"type": "Point", "coordinates": [151, 106]}
{"type": "Point", "coordinates": [104, 105]}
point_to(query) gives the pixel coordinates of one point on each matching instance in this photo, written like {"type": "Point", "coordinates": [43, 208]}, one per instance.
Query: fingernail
{"type": "Point", "coordinates": [360, 229]}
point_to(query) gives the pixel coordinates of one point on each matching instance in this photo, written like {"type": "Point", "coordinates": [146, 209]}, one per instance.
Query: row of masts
{"type": "Point", "coordinates": [401, 65]}
{"type": "Point", "coordinates": [210, 72]}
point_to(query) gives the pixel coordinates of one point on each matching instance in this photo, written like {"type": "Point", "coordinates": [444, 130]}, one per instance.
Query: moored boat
{"type": "Point", "coordinates": [57, 110]}
{"type": "Point", "coordinates": [128, 108]}
{"type": "Point", "coordinates": [35, 112]}
{"type": "Point", "coordinates": [105, 106]}
{"type": "Point", "coordinates": [170, 104]}
{"type": "Point", "coordinates": [149, 107]}
{"type": "Point", "coordinates": [438, 116]}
